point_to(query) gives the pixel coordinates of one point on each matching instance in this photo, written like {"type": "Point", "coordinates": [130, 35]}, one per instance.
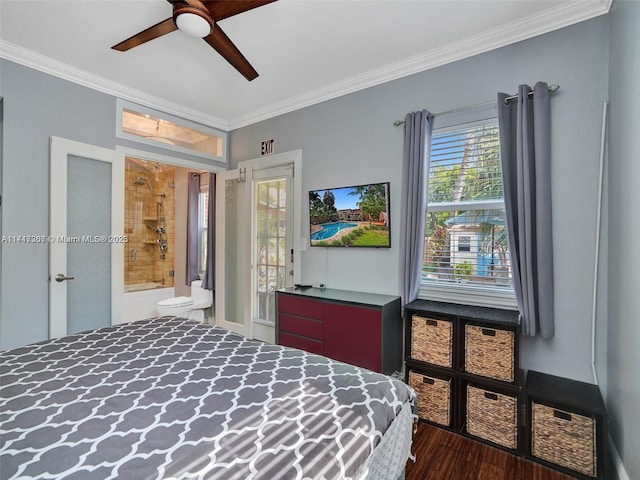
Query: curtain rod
{"type": "Point", "coordinates": [552, 88]}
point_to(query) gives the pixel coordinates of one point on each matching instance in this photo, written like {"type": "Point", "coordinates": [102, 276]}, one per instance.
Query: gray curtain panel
{"type": "Point", "coordinates": [417, 145]}
{"type": "Point", "coordinates": [208, 281]}
{"type": "Point", "coordinates": [192, 271]}
{"type": "Point", "coordinates": [525, 142]}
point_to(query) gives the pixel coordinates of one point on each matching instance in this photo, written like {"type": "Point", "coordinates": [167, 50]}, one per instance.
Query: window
{"type": "Point", "coordinates": [464, 243]}
{"type": "Point", "coordinates": [203, 216]}
{"type": "Point", "coordinates": [466, 257]}
{"type": "Point", "coordinates": [151, 127]}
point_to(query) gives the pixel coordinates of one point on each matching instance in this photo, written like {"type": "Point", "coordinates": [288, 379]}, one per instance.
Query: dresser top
{"type": "Point", "coordinates": [345, 296]}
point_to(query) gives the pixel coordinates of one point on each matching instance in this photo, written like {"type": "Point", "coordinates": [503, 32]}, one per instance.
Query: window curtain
{"type": "Point", "coordinates": [208, 281]}
{"type": "Point", "coordinates": [525, 143]}
{"type": "Point", "coordinates": [417, 145]}
{"type": "Point", "coordinates": [193, 192]}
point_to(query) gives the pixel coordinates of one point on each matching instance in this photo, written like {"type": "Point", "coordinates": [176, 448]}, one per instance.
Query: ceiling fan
{"type": "Point", "coordinates": [200, 19]}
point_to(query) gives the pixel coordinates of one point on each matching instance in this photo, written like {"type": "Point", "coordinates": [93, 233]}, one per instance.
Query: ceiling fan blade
{"type": "Point", "coordinates": [225, 47]}
{"type": "Point", "coordinates": [221, 9]}
{"type": "Point", "coordinates": [159, 29]}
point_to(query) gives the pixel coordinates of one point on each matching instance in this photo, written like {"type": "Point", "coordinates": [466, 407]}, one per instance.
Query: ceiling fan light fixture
{"type": "Point", "coordinates": [194, 25]}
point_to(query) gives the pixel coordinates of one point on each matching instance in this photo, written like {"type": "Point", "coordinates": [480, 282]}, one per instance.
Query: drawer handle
{"type": "Point", "coordinates": [431, 323]}
{"type": "Point", "coordinates": [428, 380]}
{"type": "Point", "coordinates": [562, 415]}
{"type": "Point", "coordinates": [490, 396]}
{"type": "Point", "coordinates": [488, 332]}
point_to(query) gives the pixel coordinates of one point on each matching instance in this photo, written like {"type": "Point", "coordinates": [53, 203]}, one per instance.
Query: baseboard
{"type": "Point", "coordinates": [617, 461]}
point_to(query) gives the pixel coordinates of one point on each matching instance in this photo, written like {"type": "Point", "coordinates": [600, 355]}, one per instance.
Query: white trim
{"type": "Point", "coordinates": [68, 72]}
{"type": "Point", "coordinates": [160, 158]}
{"type": "Point", "coordinates": [617, 461]}
{"type": "Point", "coordinates": [562, 16]}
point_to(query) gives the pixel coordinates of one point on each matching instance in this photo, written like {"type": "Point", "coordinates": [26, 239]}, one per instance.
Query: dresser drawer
{"type": "Point", "coordinates": [303, 343]}
{"type": "Point", "coordinates": [300, 306]}
{"type": "Point", "coordinates": [306, 327]}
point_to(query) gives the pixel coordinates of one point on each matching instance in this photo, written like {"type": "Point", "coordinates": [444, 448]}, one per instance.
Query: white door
{"type": "Point", "coordinates": [232, 292]}
{"type": "Point", "coordinates": [257, 241]}
{"type": "Point", "coordinates": [86, 241]}
{"type": "Point", "coordinates": [272, 240]}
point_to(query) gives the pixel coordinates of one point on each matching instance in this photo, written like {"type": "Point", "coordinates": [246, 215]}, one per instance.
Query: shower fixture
{"type": "Point", "coordinates": [143, 180]}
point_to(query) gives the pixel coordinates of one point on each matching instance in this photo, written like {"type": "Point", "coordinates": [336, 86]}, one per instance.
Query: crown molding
{"type": "Point", "coordinates": [562, 16]}
{"type": "Point", "coordinates": [553, 19]}
{"type": "Point", "coordinates": [62, 70]}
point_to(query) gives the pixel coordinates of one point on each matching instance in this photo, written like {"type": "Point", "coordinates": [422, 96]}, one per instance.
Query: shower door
{"type": "Point", "coordinates": [86, 241]}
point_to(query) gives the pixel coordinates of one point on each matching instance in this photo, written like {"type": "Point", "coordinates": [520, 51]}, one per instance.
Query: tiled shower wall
{"type": "Point", "coordinates": [143, 212]}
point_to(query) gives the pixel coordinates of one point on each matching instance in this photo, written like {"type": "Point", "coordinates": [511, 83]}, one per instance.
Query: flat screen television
{"type": "Point", "coordinates": [356, 216]}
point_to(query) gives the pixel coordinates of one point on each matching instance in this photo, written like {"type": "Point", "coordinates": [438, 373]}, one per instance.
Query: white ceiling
{"type": "Point", "coordinates": [305, 51]}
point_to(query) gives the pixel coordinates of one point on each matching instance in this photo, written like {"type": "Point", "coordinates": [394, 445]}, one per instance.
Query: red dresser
{"type": "Point", "coordinates": [359, 328]}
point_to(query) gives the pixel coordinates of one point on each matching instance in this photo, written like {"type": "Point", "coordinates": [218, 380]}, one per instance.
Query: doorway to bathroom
{"type": "Point", "coordinates": [155, 223]}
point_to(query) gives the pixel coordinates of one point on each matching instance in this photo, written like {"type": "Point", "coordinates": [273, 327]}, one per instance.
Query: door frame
{"type": "Point", "coordinates": [60, 149]}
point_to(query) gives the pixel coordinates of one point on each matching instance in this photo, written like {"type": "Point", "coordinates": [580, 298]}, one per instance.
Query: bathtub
{"type": "Point", "coordinates": [140, 300]}
{"type": "Point", "coordinates": [137, 287]}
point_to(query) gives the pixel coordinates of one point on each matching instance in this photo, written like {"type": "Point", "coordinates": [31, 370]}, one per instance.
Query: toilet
{"type": "Point", "coordinates": [192, 307]}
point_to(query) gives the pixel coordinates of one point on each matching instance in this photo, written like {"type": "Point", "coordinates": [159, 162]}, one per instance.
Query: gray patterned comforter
{"type": "Point", "coordinates": [173, 398]}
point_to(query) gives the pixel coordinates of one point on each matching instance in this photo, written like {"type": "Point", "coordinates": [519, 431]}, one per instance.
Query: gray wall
{"type": "Point", "coordinates": [351, 140]}
{"type": "Point", "coordinates": [36, 107]}
{"type": "Point", "coordinates": [624, 220]}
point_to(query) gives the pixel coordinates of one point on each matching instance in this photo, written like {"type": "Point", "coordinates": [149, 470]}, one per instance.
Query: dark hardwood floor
{"type": "Point", "coordinates": [442, 455]}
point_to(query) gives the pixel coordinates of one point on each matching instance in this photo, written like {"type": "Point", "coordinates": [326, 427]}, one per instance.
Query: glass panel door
{"type": "Point", "coordinates": [232, 259]}
{"type": "Point", "coordinates": [88, 249]}
{"type": "Point", "coordinates": [272, 245]}
{"type": "Point", "coordinates": [271, 251]}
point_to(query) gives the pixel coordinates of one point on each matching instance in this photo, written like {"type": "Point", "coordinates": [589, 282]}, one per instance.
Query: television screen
{"type": "Point", "coordinates": [355, 216]}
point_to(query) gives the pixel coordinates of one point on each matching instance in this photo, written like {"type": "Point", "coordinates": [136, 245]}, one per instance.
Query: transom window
{"type": "Point", "coordinates": [466, 257]}
{"type": "Point", "coordinates": [145, 125]}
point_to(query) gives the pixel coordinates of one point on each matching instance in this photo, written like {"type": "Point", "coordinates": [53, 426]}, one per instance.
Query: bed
{"type": "Point", "coordinates": [170, 398]}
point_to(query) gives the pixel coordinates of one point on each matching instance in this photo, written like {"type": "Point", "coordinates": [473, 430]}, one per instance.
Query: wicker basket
{"type": "Point", "coordinates": [566, 439]}
{"type": "Point", "coordinates": [432, 340]}
{"type": "Point", "coordinates": [492, 416]}
{"type": "Point", "coordinates": [490, 352]}
{"type": "Point", "coordinates": [434, 397]}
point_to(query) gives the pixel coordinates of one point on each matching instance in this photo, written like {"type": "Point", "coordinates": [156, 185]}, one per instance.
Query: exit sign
{"type": "Point", "coordinates": [266, 147]}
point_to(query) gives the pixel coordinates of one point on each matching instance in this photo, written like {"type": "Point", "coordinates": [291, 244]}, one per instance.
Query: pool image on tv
{"type": "Point", "coordinates": [356, 216]}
